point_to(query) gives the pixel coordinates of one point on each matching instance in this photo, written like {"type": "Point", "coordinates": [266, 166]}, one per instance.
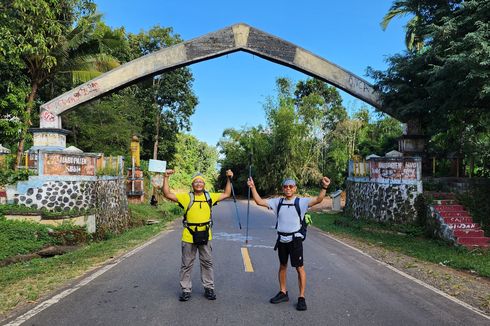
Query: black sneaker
{"type": "Point", "coordinates": [301, 305]}
{"type": "Point", "coordinates": [185, 296]}
{"type": "Point", "coordinates": [280, 297]}
{"type": "Point", "coordinates": [209, 294]}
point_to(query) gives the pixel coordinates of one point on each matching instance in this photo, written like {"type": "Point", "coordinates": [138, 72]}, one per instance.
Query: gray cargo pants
{"type": "Point", "coordinates": [206, 262]}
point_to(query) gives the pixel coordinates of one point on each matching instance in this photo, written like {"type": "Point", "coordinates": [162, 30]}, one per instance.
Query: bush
{"type": "Point", "coordinates": [476, 201]}
{"type": "Point", "coordinates": [24, 237]}
{"type": "Point", "coordinates": [8, 176]}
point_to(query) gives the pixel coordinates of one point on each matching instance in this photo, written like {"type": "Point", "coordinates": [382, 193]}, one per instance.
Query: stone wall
{"type": "Point", "coordinates": [60, 195]}
{"type": "Point", "coordinates": [381, 201]}
{"type": "Point", "coordinates": [111, 205]}
{"type": "Point", "coordinates": [104, 195]}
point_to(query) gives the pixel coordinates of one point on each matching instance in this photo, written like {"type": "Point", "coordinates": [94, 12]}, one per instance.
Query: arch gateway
{"type": "Point", "coordinates": [239, 37]}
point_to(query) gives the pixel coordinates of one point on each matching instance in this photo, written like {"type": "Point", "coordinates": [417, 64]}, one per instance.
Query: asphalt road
{"type": "Point", "coordinates": [344, 287]}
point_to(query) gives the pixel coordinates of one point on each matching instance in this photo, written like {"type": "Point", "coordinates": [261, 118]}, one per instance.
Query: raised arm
{"type": "Point", "coordinates": [325, 182]}
{"type": "Point", "coordinates": [227, 192]}
{"type": "Point", "coordinates": [166, 188]}
{"type": "Point", "coordinates": [258, 200]}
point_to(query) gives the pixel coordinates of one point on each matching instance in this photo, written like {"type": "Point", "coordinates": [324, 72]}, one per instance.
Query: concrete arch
{"type": "Point", "coordinates": [239, 37]}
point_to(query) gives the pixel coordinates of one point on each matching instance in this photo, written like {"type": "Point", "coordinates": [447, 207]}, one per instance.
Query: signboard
{"type": "Point", "coordinates": [157, 166]}
{"type": "Point", "coordinates": [399, 169]}
{"type": "Point", "coordinates": [157, 180]}
{"type": "Point", "coordinates": [68, 164]}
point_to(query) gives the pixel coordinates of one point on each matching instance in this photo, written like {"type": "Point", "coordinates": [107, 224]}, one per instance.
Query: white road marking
{"type": "Point", "coordinates": [51, 301]}
{"type": "Point", "coordinates": [430, 287]}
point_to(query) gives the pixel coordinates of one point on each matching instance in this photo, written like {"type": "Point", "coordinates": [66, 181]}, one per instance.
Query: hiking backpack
{"type": "Point", "coordinates": [304, 220]}
{"type": "Point", "coordinates": [199, 237]}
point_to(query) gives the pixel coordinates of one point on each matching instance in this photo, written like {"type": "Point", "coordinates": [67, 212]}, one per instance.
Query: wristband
{"type": "Point", "coordinates": [324, 188]}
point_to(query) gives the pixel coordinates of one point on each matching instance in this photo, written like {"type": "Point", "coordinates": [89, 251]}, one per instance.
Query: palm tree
{"type": "Point", "coordinates": [65, 56]}
{"type": "Point", "coordinates": [413, 39]}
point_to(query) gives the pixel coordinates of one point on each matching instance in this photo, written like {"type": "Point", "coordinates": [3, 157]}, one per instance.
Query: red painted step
{"type": "Point", "coordinates": [473, 241]}
{"type": "Point", "coordinates": [482, 246]}
{"type": "Point", "coordinates": [454, 226]}
{"type": "Point", "coordinates": [470, 233]}
{"type": "Point", "coordinates": [445, 202]}
{"type": "Point", "coordinates": [455, 214]}
{"type": "Point", "coordinates": [458, 219]}
{"type": "Point", "coordinates": [451, 208]}
{"type": "Point", "coordinates": [442, 195]}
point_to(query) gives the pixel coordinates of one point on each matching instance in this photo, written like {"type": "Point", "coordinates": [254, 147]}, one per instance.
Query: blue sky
{"type": "Point", "coordinates": [233, 88]}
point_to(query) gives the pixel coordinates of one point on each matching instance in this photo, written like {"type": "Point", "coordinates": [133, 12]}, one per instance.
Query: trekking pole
{"type": "Point", "coordinates": [248, 203]}
{"type": "Point", "coordinates": [236, 207]}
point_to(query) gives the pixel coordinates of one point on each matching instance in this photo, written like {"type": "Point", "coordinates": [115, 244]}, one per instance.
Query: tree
{"type": "Point", "coordinates": [413, 38]}
{"type": "Point", "coordinates": [291, 143]}
{"type": "Point", "coordinates": [193, 156]}
{"type": "Point", "coordinates": [447, 85]}
{"type": "Point", "coordinates": [156, 108]}
{"type": "Point", "coordinates": [424, 13]}
{"type": "Point", "coordinates": [105, 126]}
{"type": "Point", "coordinates": [38, 36]}
{"type": "Point", "coordinates": [169, 96]}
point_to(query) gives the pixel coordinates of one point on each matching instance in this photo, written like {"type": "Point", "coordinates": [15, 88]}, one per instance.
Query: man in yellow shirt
{"type": "Point", "coordinates": [196, 235]}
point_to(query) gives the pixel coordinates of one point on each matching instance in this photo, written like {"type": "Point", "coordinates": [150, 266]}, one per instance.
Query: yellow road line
{"type": "Point", "coordinates": [246, 260]}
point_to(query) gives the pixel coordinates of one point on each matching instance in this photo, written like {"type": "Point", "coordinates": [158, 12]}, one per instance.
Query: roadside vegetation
{"type": "Point", "coordinates": [26, 282]}
{"type": "Point", "coordinates": [408, 239]}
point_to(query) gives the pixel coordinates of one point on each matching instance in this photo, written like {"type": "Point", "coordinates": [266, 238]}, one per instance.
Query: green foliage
{"type": "Point", "coordinates": [10, 177]}
{"type": "Point", "coordinates": [193, 156]}
{"type": "Point", "coordinates": [155, 109]}
{"type": "Point", "coordinates": [446, 83]}
{"type": "Point", "coordinates": [477, 203]}
{"type": "Point", "coordinates": [37, 38]}
{"type": "Point", "coordinates": [106, 126]}
{"type": "Point", "coordinates": [406, 239]}
{"type": "Point", "coordinates": [308, 134]}
{"type": "Point", "coordinates": [27, 237]}
{"type": "Point", "coordinates": [21, 237]}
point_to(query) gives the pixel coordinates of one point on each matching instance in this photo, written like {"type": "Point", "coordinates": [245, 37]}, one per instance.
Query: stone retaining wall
{"type": "Point", "coordinates": [105, 195]}
{"type": "Point", "coordinates": [111, 205]}
{"type": "Point", "coordinates": [381, 201]}
{"type": "Point", "coordinates": [60, 195]}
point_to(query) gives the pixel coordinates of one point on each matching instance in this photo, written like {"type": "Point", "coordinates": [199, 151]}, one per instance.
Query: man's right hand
{"type": "Point", "coordinates": [169, 172]}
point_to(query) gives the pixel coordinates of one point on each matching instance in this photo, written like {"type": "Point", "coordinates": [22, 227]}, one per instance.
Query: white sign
{"type": "Point", "coordinates": [157, 166]}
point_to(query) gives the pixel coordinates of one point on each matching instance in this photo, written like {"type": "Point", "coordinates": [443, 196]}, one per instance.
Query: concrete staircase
{"type": "Point", "coordinates": [465, 231]}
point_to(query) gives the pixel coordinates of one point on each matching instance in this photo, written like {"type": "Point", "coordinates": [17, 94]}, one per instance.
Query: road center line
{"type": "Point", "coordinates": [246, 260]}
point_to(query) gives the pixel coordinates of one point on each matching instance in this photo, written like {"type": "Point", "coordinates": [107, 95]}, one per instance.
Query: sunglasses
{"type": "Point", "coordinates": [198, 182]}
{"type": "Point", "coordinates": [288, 186]}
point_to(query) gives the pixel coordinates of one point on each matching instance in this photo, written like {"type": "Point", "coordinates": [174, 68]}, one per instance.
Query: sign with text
{"type": "Point", "coordinates": [157, 166]}
{"type": "Point", "coordinates": [394, 169]}
{"type": "Point", "coordinates": [69, 164]}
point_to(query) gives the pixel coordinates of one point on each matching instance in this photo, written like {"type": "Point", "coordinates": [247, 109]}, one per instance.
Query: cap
{"type": "Point", "coordinates": [289, 182]}
{"type": "Point", "coordinates": [198, 176]}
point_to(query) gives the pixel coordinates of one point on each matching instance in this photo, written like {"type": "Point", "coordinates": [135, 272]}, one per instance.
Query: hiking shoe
{"type": "Point", "coordinates": [301, 305]}
{"type": "Point", "coordinates": [209, 294]}
{"type": "Point", "coordinates": [280, 297]}
{"type": "Point", "coordinates": [185, 296]}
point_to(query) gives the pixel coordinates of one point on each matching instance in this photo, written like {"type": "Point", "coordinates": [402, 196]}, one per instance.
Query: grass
{"type": "Point", "coordinates": [26, 282]}
{"type": "Point", "coordinates": [21, 209]}
{"type": "Point", "coordinates": [406, 239]}
{"type": "Point", "coordinates": [20, 237]}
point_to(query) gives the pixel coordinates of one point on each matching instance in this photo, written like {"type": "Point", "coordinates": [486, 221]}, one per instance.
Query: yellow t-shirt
{"type": "Point", "coordinates": [199, 212]}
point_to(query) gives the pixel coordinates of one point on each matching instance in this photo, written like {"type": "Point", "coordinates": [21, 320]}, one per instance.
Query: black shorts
{"type": "Point", "coordinates": [293, 249]}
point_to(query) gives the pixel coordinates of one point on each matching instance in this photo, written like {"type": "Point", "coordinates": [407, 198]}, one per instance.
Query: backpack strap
{"type": "Point", "coordinates": [191, 202]}
{"type": "Point", "coordinates": [296, 205]}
